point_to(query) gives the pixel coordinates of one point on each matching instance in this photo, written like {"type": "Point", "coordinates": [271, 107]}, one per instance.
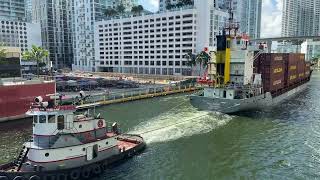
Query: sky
{"type": "Point", "coordinates": [271, 15]}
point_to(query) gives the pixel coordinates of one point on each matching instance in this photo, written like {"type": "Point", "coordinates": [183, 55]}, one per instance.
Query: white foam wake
{"type": "Point", "coordinates": [177, 124]}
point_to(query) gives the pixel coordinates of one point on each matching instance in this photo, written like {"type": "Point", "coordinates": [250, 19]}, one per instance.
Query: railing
{"type": "Point", "coordinates": [132, 94]}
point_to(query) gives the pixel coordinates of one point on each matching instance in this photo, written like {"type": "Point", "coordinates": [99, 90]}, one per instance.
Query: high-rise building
{"type": "Point", "coordinates": [128, 4]}
{"type": "Point", "coordinates": [28, 10]}
{"type": "Point", "coordinates": [248, 14]}
{"type": "Point", "coordinates": [300, 18]}
{"type": "Point", "coordinates": [156, 43]}
{"type": "Point", "coordinates": [86, 12]}
{"type": "Point", "coordinates": [19, 34]}
{"type": "Point", "coordinates": [12, 10]}
{"type": "Point", "coordinates": [54, 17]}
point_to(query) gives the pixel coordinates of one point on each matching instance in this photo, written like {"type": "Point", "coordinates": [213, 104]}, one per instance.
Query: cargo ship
{"type": "Point", "coordinates": [246, 78]}
{"type": "Point", "coordinates": [16, 92]}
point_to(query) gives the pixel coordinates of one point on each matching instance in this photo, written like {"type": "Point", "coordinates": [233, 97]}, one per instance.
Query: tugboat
{"type": "Point", "coordinates": [65, 145]}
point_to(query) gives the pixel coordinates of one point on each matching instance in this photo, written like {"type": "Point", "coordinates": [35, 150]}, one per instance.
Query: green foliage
{"type": "Point", "coordinates": [137, 9]}
{"type": "Point", "coordinates": [110, 12]}
{"type": "Point", "coordinates": [203, 58]}
{"type": "Point", "coordinates": [180, 4]}
{"type": "Point", "coordinates": [37, 54]}
{"type": "Point", "coordinates": [191, 59]}
{"type": "Point", "coordinates": [3, 53]}
{"type": "Point", "coordinates": [121, 8]}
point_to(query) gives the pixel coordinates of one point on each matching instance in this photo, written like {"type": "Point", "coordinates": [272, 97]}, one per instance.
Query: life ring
{"type": "Point", "coordinates": [85, 173]}
{"type": "Point", "coordinates": [4, 178]}
{"type": "Point", "coordinates": [34, 177]}
{"type": "Point", "coordinates": [100, 123]}
{"type": "Point", "coordinates": [18, 178]}
{"type": "Point", "coordinates": [75, 174]}
{"type": "Point", "coordinates": [96, 170]}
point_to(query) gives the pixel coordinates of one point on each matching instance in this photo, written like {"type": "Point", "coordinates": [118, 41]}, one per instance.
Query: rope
{"type": "Point", "coordinates": [172, 124]}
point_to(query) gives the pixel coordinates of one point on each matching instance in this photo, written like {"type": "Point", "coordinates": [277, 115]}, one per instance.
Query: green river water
{"type": "Point", "coordinates": [278, 143]}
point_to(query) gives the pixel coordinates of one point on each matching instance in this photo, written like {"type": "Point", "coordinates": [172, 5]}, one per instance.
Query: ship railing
{"type": "Point", "coordinates": [132, 93]}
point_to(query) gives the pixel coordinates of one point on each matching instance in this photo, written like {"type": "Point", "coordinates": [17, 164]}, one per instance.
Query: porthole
{"type": "Point", "coordinates": [47, 154]}
{"type": "Point", "coordinates": [83, 149]}
{"type": "Point", "coordinates": [107, 142]}
{"type": "Point", "coordinates": [80, 126]}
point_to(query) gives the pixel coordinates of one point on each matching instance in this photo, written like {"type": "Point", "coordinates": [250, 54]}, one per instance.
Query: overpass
{"type": "Point", "coordinates": [298, 40]}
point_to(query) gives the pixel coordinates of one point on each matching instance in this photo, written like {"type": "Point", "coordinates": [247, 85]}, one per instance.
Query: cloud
{"type": "Point", "coordinates": [151, 5]}
{"type": "Point", "coordinates": [271, 18]}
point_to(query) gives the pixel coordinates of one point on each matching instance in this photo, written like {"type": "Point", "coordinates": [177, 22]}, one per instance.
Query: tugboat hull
{"type": "Point", "coordinates": [134, 142]}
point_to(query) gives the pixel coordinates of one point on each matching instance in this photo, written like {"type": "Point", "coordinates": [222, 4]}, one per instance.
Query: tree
{"type": "Point", "coordinates": [121, 9]}
{"type": "Point", "coordinates": [203, 59]}
{"type": "Point", "coordinates": [134, 10]}
{"type": "Point", "coordinates": [37, 54]}
{"type": "Point", "coordinates": [140, 9]}
{"type": "Point", "coordinates": [3, 53]}
{"type": "Point", "coordinates": [186, 2]}
{"type": "Point", "coordinates": [110, 12]}
{"type": "Point", "coordinates": [191, 59]}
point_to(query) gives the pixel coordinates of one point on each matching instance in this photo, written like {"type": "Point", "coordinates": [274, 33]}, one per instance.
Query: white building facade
{"type": "Point", "coordinates": [300, 18]}
{"type": "Point", "coordinates": [12, 10]}
{"type": "Point", "coordinates": [157, 43]}
{"type": "Point", "coordinates": [54, 17]}
{"type": "Point", "coordinates": [20, 34]}
{"type": "Point", "coordinates": [86, 12]}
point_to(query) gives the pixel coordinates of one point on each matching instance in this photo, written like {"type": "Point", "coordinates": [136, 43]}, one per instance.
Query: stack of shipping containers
{"type": "Point", "coordinates": [281, 70]}
{"type": "Point", "coordinates": [272, 69]}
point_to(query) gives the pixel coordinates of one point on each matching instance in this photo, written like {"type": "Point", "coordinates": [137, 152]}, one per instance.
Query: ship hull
{"type": "Point", "coordinates": [230, 106]}
{"type": "Point", "coordinates": [86, 171]}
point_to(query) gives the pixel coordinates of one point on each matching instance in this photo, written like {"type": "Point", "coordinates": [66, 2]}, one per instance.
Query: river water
{"type": "Point", "coordinates": [183, 143]}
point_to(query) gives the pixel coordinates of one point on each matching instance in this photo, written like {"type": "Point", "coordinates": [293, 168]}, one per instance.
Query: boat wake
{"type": "Point", "coordinates": [173, 125]}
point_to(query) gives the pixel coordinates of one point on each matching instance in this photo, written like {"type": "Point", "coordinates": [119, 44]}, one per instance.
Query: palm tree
{"type": "Point", "coordinates": [203, 59]}
{"type": "Point", "coordinates": [3, 53]}
{"type": "Point", "coordinates": [140, 9]}
{"type": "Point", "coordinates": [121, 9]}
{"type": "Point", "coordinates": [134, 10]}
{"type": "Point", "coordinates": [110, 12]}
{"type": "Point", "coordinates": [37, 54]}
{"type": "Point", "coordinates": [186, 2]}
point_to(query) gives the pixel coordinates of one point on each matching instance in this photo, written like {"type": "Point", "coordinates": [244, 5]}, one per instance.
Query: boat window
{"type": "Point", "coordinates": [42, 119]}
{"type": "Point", "coordinates": [51, 119]}
{"type": "Point", "coordinates": [60, 122]}
{"type": "Point", "coordinates": [35, 119]}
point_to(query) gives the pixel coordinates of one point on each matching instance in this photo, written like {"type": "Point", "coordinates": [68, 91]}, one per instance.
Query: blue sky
{"type": "Point", "coordinates": [271, 15]}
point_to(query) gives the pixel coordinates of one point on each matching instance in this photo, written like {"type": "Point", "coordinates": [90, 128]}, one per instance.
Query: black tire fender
{"type": "Point", "coordinates": [18, 178]}
{"type": "Point", "coordinates": [4, 178]}
{"type": "Point", "coordinates": [50, 177]}
{"type": "Point", "coordinates": [85, 173]}
{"type": "Point", "coordinates": [61, 177]}
{"type": "Point", "coordinates": [75, 174]}
{"type": "Point", "coordinates": [96, 169]}
{"type": "Point", "coordinates": [34, 177]}
{"type": "Point", "coordinates": [104, 166]}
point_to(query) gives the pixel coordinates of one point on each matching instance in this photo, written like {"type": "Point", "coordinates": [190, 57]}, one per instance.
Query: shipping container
{"type": "Point", "coordinates": [301, 68]}
{"type": "Point", "coordinates": [271, 67]}
{"type": "Point", "coordinates": [291, 72]}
